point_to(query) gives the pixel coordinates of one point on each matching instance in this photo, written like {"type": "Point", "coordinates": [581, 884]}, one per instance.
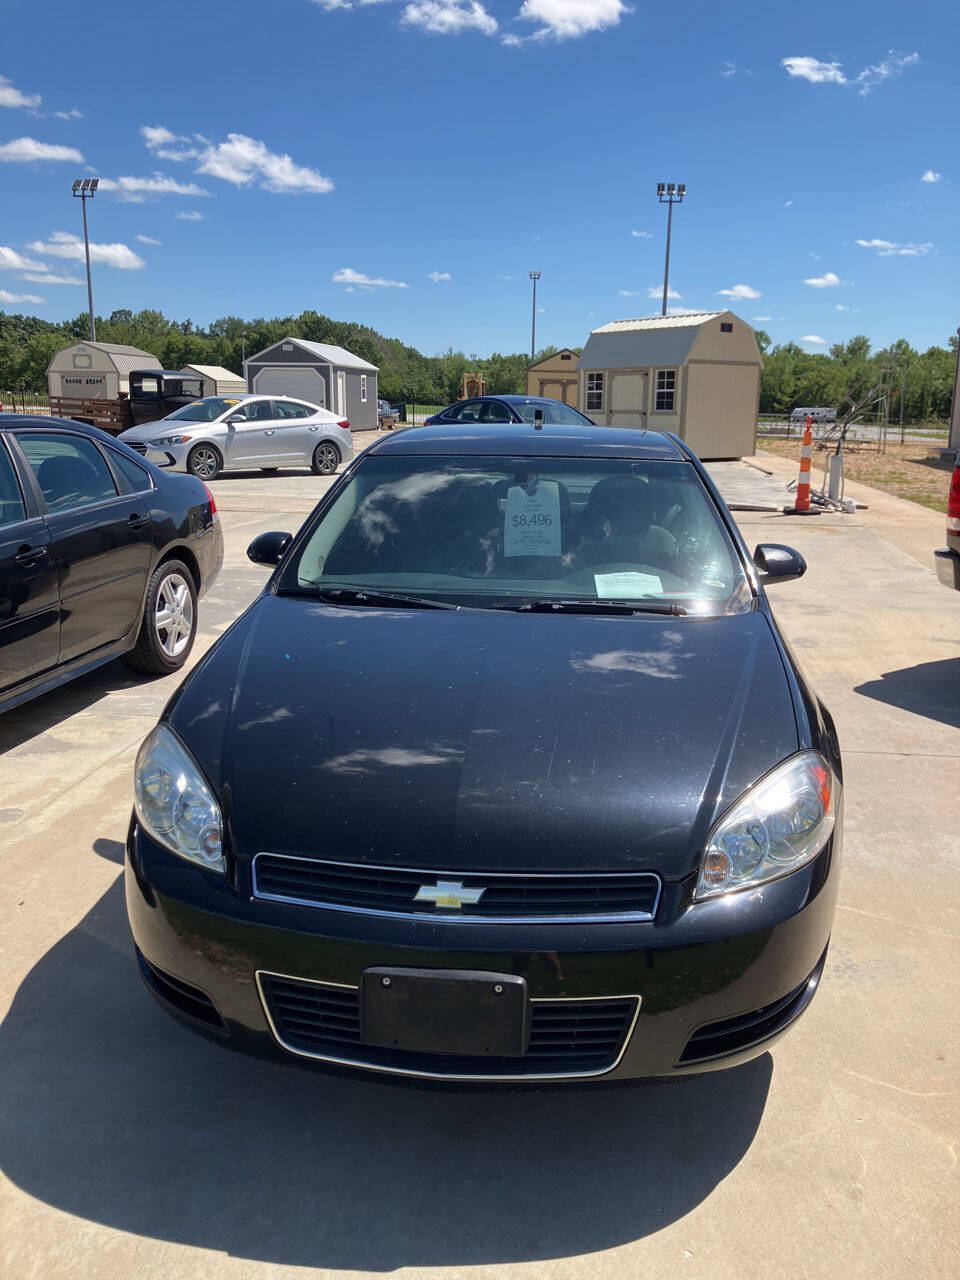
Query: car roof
{"type": "Point", "coordinates": [20, 421]}
{"type": "Point", "coordinates": [509, 439]}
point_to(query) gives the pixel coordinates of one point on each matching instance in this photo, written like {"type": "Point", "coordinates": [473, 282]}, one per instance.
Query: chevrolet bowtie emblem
{"type": "Point", "coordinates": [449, 894]}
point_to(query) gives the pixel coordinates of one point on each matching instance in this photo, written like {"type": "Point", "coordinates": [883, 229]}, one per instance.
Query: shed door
{"type": "Point", "coordinates": [301, 381]}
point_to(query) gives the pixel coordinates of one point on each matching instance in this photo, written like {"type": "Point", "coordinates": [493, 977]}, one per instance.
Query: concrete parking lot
{"type": "Point", "coordinates": [131, 1148]}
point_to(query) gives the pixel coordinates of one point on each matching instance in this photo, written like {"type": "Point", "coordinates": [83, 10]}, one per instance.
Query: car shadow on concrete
{"type": "Point", "coordinates": [930, 689]}
{"type": "Point", "coordinates": [47, 710]}
{"type": "Point", "coordinates": [115, 1113]}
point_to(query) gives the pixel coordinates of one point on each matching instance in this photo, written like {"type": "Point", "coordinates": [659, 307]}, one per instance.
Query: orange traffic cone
{"type": "Point", "coordinates": [802, 507]}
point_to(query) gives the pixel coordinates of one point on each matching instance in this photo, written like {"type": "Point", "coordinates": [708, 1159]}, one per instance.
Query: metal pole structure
{"type": "Point", "coordinates": [669, 194]}
{"type": "Point", "coordinates": [534, 276]}
{"type": "Point", "coordinates": [954, 441]}
{"type": "Point", "coordinates": [85, 189]}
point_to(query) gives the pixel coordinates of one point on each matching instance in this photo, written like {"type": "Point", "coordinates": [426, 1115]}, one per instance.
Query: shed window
{"type": "Point", "coordinates": [566, 356]}
{"type": "Point", "coordinates": [363, 388]}
{"type": "Point", "coordinates": [726, 326]}
{"type": "Point", "coordinates": [594, 392]}
{"type": "Point", "coordinates": [666, 392]}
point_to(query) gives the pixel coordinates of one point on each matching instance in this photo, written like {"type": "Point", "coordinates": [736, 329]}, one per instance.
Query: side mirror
{"type": "Point", "coordinates": [268, 548]}
{"type": "Point", "coordinates": [778, 563]}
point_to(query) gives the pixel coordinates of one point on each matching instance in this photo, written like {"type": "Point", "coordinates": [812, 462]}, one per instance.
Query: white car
{"type": "Point", "coordinates": [244, 432]}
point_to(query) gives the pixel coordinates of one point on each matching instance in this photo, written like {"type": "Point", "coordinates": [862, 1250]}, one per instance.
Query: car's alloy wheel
{"type": "Point", "coordinates": [326, 458]}
{"type": "Point", "coordinates": [173, 615]}
{"type": "Point", "coordinates": [168, 626]}
{"type": "Point", "coordinates": [203, 461]}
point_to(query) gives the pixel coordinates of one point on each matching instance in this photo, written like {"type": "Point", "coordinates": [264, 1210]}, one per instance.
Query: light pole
{"type": "Point", "coordinates": [534, 276]}
{"type": "Point", "coordinates": [669, 194]}
{"type": "Point", "coordinates": [953, 441]}
{"type": "Point", "coordinates": [85, 189]}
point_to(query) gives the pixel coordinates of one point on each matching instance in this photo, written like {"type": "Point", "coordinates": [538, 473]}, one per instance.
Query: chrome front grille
{"type": "Point", "coordinates": [568, 1038]}
{"type": "Point", "coordinates": [515, 897]}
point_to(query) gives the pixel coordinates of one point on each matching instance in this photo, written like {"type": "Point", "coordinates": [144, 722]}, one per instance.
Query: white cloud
{"type": "Point", "coordinates": [11, 97]}
{"type": "Point", "coordinates": [449, 17]}
{"type": "Point", "coordinates": [24, 150]}
{"type": "Point", "coordinates": [10, 260]}
{"type": "Point", "coordinates": [135, 190]}
{"type": "Point", "coordinates": [815, 339]}
{"type": "Point", "coordinates": [787, 204]}
{"type": "Point", "coordinates": [812, 69]}
{"type": "Point", "coordinates": [47, 278]}
{"type": "Point", "coordinates": [641, 235]}
{"type": "Point", "coordinates": [656, 291]}
{"type": "Point", "coordinates": [437, 276]}
{"type": "Point", "coordinates": [8, 298]}
{"type": "Point", "coordinates": [893, 249]}
{"type": "Point", "coordinates": [829, 280]}
{"type": "Point", "coordinates": [760, 319]}
{"type": "Point", "coordinates": [628, 293]}
{"type": "Point", "coordinates": [728, 69]}
{"type": "Point", "coordinates": [239, 160]}
{"type": "Point", "coordinates": [739, 292]}
{"type": "Point", "coordinates": [931, 176]}
{"type": "Point", "coordinates": [841, 307]}
{"type": "Point", "coordinates": [568, 19]}
{"type": "Point", "coordinates": [148, 240]}
{"type": "Point", "coordinates": [64, 245]}
{"type": "Point", "coordinates": [541, 311]}
{"type": "Point", "coordinates": [684, 311]}
{"type": "Point", "coordinates": [72, 114]}
{"type": "Point", "coordinates": [191, 215]}
{"type": "Point", "coordinates": [817, 72]}
{"type": "Point", "coordinates": [347, 275]}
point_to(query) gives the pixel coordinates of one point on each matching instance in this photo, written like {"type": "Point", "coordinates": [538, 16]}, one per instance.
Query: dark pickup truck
{"type": "Point", "coordinates": [153, 394]}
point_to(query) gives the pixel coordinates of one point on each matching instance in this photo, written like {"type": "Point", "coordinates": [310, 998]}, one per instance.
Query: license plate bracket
{"type": "Point", "coordinates": [452, 1011]}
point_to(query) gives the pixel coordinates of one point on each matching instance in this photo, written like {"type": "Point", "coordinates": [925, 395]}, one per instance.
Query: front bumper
{"type": "Point", "coordinates": [703, 986]}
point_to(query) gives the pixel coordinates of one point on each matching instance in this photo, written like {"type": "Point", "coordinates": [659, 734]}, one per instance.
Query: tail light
{"type": "Point", "coordinates": [953, 503]}
{"type": "Point", "coordinates": [213, 503]}
{"type": "Point", "coordinates": [345, 423]}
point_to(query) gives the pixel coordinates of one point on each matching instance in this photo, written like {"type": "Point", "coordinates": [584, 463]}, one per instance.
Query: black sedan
{"type": "Point", "coordinates": [508, 775]}
{"type": "Point", "coordinates": [499, 410]}
{"type": "Point", "coordinates": [102, 555]}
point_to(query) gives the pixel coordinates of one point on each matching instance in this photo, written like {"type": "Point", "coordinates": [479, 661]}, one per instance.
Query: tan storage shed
{"type": "Point", "coordinates": [217, 381]}
{"type": "Point", "coordinates": [555, 377]}
{"type": "Point", "coordinates": [696, 375]}
{"type": "Point", "coordinates": [96, 370]}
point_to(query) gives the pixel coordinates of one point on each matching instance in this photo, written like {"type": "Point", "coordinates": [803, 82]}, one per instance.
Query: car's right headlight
{"type": "Point", "coordinates": [174, 803]}
{"type": "Point", "coordinates": [163, 441]}
{"type": "Point", "coordinates": [776, 827]}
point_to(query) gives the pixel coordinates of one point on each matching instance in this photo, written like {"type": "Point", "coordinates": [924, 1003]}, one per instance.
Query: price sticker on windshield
{"type": "Point", "coordinates": [627, 586]}
{"type": "Point", "coordinates": [531, 524]}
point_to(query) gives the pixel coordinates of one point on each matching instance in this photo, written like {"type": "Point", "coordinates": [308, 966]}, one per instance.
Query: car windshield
{"type": "Point", "coordinates": [509, 532]}
{"type": "Point", "coordinates": [203, 410]}
{"type": "Point", "coordinates": [553, 412]}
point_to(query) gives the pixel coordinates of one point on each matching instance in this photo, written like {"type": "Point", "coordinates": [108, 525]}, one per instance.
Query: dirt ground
{"type": "Point", "coordinates": [910, 471]}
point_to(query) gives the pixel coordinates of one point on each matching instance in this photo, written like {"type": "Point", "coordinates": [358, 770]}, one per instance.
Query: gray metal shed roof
{"type": "Point", "coordinates": [338, 356]}
{"type": "Point", "coordinates": [215, 371]}
{"type": "Point", "coordinates": [649, 340]}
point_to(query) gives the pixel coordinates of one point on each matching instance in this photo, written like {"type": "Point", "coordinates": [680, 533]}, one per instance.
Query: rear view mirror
{"type": "Point", "coordinates": [778, 563]}
{"type": "Point", "coordinates": [268, 548]}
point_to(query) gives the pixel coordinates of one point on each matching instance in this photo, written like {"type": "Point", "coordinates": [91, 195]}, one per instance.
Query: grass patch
{"type": "Point", "coordinates": [905, 470]}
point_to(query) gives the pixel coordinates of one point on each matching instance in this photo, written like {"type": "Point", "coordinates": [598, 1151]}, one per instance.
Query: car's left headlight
{"type": "Point", "coordinates": [777, 826]}
{"type": "Point", "coordinates": [165, 440]}
{"type": "Point", "coordinates": [174, 803]}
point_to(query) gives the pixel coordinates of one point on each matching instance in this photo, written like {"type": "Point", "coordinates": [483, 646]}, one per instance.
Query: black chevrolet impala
{"type": "Point", "coordinates": [508, 775]}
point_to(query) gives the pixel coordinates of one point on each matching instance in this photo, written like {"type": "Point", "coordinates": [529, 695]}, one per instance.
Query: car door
{"type": "Point", "coordinates": [29, 586]}
{"type": "Point", "coordinates": [102, 538]}
{"type": "Point", "coordinates": [251, 435]}
{"type": "Point", "coordinates": [298, 430]}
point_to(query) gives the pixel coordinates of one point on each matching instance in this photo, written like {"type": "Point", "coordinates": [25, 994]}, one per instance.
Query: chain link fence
{"type": "Point", "coordinates": [931, 431]}
{"type": "Point", "coordinates": [21, 401]}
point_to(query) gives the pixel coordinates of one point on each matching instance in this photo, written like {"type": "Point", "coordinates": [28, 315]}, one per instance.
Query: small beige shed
{"type": "Point", "coordinates": [695, 375]}
{"type": "Point", "coordinates": [96, 370]}
{"type": "Point", "coordinates": [555, 377]}
{"type": "Point", "coordinates": [217, 381]}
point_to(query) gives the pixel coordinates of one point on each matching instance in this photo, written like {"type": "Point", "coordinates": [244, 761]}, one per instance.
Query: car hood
{"type": "Point", "coordinates": [148, 431]}
{"type": "Point", "coordinates": [484, 739]}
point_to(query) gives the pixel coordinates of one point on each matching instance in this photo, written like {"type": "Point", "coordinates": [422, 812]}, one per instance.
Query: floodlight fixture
{"type": "Point", "coordinates": [675, 193]}
{"type": "Point", "coordinates": [77, 185]}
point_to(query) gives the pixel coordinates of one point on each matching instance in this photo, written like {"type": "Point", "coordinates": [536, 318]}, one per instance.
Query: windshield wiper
{"type": "Point", "coordinates": [363, 597]}
{"type": "Point", "coordinates": [621, 607]}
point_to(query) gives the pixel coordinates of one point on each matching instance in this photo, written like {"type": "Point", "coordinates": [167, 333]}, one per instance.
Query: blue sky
{"type": "Point", "coordinates": [340, 156]}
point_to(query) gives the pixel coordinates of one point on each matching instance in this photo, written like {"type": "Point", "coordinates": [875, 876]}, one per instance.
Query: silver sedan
{"type": "Point", "coordinates": [243, 432]}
